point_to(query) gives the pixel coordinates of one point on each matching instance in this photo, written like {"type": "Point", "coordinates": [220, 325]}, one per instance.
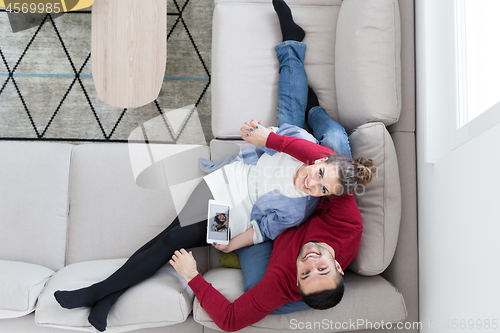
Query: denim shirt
{"type": "Point", "coordinates": [272, 212]}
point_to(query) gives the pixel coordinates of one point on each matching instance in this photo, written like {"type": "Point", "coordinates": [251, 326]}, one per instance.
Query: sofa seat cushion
{"type": "Point", "coordinates": [371, 298]}
{"type": "Point", "coordinates": [379, 202]}
{"type": "Point", "coordinates": [20, 285]}
{"type": "Point", "coordinates": [246, 80]}
{"type": "Point", "coordinates": [162, 300]}
{"type": "Point", "coordinates": [34, 202]}
{"type": "Point", "coordinates": [109, 205]}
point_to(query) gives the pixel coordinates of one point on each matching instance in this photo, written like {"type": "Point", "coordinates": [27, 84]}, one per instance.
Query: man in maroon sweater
{"type": "Point", "coordinates": [306, 261]}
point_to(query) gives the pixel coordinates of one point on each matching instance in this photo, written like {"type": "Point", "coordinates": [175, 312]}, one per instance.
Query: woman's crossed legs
{"type": "Point", "coordinates": [143, 263]}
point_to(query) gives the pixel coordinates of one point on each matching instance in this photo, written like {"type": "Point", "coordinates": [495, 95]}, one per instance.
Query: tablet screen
{"type": "Point", "coordinates": [218, 222]}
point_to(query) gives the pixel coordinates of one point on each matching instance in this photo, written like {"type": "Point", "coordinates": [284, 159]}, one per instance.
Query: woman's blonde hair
{"type": "Point", "coordinates": [352, 173]}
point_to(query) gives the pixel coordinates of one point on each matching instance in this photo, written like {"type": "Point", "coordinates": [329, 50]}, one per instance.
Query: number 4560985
{"type": "Point", "coordinates": [34, 8]}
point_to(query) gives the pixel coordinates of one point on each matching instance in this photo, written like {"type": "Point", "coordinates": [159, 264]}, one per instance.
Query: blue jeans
{"type": "Point", "coordinates": [292, 102]}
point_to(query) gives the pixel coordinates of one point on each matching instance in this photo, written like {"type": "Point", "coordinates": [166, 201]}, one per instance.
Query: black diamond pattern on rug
{"type": "Point", "coordinates": [56, 98]}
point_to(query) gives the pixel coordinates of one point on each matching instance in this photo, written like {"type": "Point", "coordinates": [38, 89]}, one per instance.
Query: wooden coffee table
{"type": "Point", "coordinates": [129, 50]}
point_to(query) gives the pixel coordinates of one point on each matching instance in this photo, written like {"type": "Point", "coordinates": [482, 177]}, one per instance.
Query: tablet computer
{"type": "Point", "coordinates": [218, 222]}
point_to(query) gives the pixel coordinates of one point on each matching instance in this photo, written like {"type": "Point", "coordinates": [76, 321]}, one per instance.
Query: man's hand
{"type": "Point", "coordinates": [184, 263]}
{"type": "Point", "coordinates": [253, 132]}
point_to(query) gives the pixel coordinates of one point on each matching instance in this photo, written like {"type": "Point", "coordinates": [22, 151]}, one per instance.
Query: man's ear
{"type": "Point", "coordinates": [320, 160]}
{"type": "Point", "coordinates": [339, 268]}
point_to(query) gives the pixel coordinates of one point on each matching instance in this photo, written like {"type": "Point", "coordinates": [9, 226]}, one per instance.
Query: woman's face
{"type": "Point", "coordinates": [222, 217]}
{"type": "Point", "coordinates": [318, 179]}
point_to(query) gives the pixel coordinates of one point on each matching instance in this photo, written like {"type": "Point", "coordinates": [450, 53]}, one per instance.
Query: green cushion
{"type": "Point", "coordinates": [230, 260]}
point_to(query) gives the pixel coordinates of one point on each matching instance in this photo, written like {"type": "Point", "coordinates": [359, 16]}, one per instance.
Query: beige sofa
{"type": "Point", "coordinates": [69, 215]}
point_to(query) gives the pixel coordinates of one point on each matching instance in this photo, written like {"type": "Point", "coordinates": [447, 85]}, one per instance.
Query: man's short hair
{"type": "Point", "coordinates": [327, 298]}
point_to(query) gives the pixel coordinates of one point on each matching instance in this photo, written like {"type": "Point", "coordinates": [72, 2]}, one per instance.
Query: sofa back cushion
{"type": "Point", "coordinates": [34, 179]}
{"type": "Point", "coordinates": [368, 62]}
{"type": "Point", "coordinates": [245, 83]}
{"type": "Point", "coordinates": [111, 216]}
{"type": "Point", "coordinates": [379, 202]}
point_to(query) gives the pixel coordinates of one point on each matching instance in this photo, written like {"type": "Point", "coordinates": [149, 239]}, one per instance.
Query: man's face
{"type": "Point", "coordinates": [316, 268]}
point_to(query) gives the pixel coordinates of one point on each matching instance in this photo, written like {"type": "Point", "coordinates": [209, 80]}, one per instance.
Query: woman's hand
{"type": "Point", "coordinates": [253, 132]}
{"type": "Point", "coordinates": [241, 240]}
{"type": "Point", "coordinates": [223, 248]}
{"type": "Point", "coordinates": [184, 263]}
